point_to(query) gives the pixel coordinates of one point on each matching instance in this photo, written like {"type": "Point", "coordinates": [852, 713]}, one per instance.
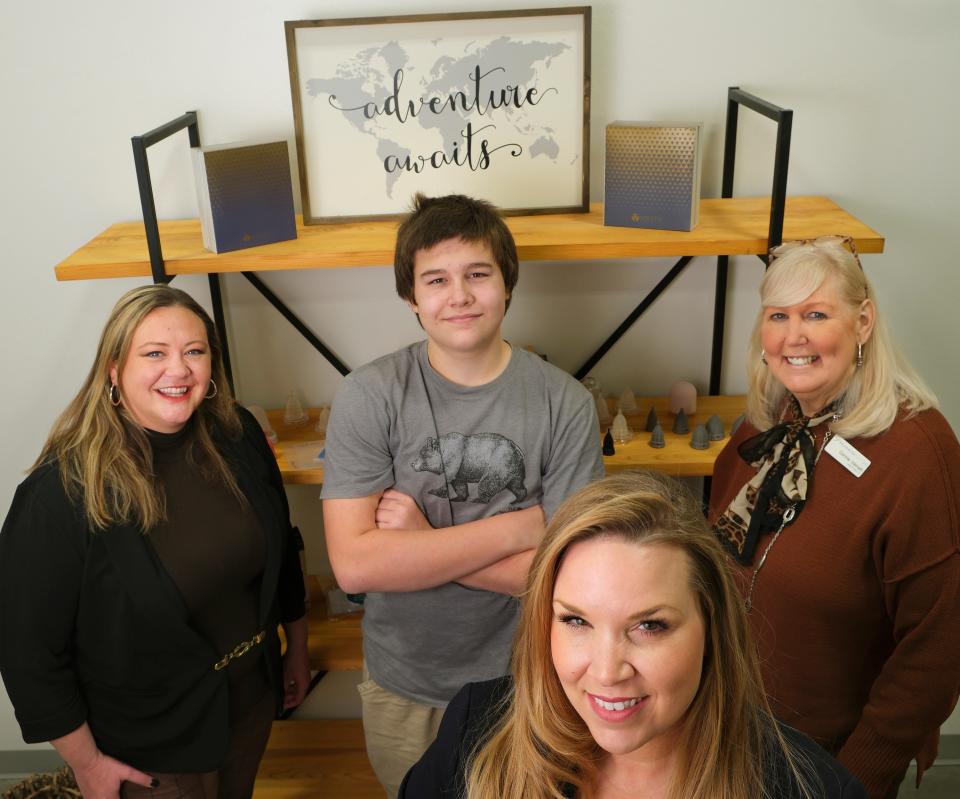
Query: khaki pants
{"type": "Point", "coordinates": [397, 732]}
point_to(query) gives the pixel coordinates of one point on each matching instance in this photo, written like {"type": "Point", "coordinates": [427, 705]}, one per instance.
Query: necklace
{"type": "Point", "coordinates": [788, 515]}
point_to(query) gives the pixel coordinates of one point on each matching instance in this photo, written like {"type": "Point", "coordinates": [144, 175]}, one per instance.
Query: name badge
{"type": "Point", "coordinates": [847, 456]}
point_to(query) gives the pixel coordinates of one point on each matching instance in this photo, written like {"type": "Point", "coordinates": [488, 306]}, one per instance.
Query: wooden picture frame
{"type": "Point", "coordinates": [494, 104]}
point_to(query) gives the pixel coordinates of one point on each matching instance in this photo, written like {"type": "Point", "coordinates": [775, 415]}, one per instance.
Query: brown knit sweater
{"type": "Point", "coordinates": [856, 612]}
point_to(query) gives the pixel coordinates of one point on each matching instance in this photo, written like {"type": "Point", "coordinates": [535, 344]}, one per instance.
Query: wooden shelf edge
{"type": "Point", "coordinates": [735, 226]}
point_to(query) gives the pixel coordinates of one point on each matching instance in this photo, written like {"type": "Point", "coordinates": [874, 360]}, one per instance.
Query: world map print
{"type": "Point", "coordinates": [484, 104]}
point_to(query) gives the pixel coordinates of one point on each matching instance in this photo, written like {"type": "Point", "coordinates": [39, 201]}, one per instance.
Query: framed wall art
{"type": "Point", "coordinates": [491, 104]}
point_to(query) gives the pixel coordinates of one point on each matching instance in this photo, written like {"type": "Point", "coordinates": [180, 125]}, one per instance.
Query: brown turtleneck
{"type": "Point", "coordinates": [214, 549]}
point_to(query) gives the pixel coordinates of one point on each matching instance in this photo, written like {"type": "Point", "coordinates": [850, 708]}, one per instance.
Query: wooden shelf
{"type": "Point", "coordinates": [333, 643]}
{"type": "Point", "coordinates": [291, 436]}
{"type": "Point", "coordinates": [677, 458]}
{"type": "Point", "coordinates": [736, 226]}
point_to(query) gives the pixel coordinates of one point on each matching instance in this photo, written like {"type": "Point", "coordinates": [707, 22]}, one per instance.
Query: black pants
{"type": "Point", "coordinates": [234, 779]}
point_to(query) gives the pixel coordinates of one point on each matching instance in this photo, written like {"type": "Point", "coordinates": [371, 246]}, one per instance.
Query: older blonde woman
{"type": "Point", "coordinates": [632, 672]}
{"type": "Point", "coordinates": [840, 500]}
{"type": "Point", "coordinates": [144, 565]}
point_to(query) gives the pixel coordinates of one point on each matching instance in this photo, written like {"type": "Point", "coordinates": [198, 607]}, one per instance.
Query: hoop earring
{"type": "Point", "coordinates": [211, 396]}
{"type": "Point", "coordinates": [763, 357]}
{"type": "Point", "coordinates": [859, 355]}
{"type": "Point", "coordinates": [113, 394]}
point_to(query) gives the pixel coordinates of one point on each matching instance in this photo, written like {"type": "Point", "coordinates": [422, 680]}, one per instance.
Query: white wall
{"type": "Point", "coordinates": [872, 83]}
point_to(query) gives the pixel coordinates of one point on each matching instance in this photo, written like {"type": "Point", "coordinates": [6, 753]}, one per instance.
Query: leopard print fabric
{"type": "Point", "coordinates": [784, 458]}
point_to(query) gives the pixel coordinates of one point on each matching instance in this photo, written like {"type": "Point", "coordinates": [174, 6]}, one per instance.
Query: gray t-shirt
{"type": "Point", "coordinates": [528, 437]}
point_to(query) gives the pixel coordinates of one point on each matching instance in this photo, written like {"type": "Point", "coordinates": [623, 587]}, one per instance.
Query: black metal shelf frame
{"type": "Point", "coordinates": [140, 144]}
{"type": "Point", "coordinates": [778, 199]}
{"type": "Point", "coordinates": [152, 228]}
{"type": "Point", "coordinates": [735, 98]}
{"type": "Point", "coordinates": [784, 119]}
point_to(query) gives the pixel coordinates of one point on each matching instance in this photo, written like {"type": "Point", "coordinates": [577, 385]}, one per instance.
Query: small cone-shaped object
{"type": "Point", "coordinates": [294, 413]}
{"type": "Point", "coordinates": [657, 440]}
{"type": "Point", "coordinates": [621, 430]}
{"type": "Point", "coordinates": [736, 424]}
{"type": "Point", "coordinates": [591, 384]}
{"type": "Point", "coordinates": [608, 444]}
{"type": "Point", "coordinates": [652, 420]}
{"type": "Point", "coordinates": [322, 419]}
{"type": "Point", "coordinates": [700, 439]}
{"type": "Point", "coordinates": [680, 424]}
{"type": "Point", "coordinates": [628, 402]}
{"type": "Point", "coordinates": [715, 428]}
{"type": "Point", "coordinates": [603, 411]}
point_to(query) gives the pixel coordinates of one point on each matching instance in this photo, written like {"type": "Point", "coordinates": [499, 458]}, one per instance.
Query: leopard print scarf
{"type": "Point", "coordinates": [784, 457]}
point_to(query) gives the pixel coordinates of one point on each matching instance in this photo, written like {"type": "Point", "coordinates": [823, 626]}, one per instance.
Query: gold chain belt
{"type": "Point", "coordinates": [240, 650]}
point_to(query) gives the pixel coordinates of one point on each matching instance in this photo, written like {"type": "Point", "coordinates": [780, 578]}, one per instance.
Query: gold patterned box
{"type": "Point", "coordinates": [652, 175]}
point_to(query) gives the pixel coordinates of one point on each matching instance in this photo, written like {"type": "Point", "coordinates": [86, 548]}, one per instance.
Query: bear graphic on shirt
{"type": "Point", "coordinates": [489, 460]}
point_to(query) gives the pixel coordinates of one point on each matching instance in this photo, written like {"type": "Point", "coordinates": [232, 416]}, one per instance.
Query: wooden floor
{"type": "Point", "coordinates": [311, 758]}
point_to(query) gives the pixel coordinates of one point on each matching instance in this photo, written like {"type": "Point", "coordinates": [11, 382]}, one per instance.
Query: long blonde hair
{"type": "Point", "coordinates": [728, 735]}
{"type": "Point", "coordinates": [877, 390]}
{"type": "Point", "coordinates": [104, 457]}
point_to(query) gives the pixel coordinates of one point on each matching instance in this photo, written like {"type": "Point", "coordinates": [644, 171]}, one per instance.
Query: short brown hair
{"type": "Point", "coordinates": [455, 216]}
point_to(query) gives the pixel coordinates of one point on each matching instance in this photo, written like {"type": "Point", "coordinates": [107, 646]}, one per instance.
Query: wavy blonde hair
{"type": "Point", "coordinates": [729, 738]}
{"type": "Point", "coordinates": [877, 390]}
{"type": "Point", "coordinates": [104, 457]}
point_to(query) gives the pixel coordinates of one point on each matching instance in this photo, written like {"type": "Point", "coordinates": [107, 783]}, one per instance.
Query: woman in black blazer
{"type": "Point", "coordinates": [633, 674]}
{"type": "Point", "coordinates": [144, 566]}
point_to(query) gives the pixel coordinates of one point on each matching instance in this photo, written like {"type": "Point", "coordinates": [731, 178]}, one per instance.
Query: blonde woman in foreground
{"type": "Point", "coordinates": [633, 673]}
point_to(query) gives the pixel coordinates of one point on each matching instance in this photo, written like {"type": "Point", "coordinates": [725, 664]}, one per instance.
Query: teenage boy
{"type": "Point", "coordinates": [443, 462]}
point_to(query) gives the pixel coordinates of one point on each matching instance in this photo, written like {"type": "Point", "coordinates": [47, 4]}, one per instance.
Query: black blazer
{"type": "Point", "coordinates": [441, 772]}
{"type": "Point", "coordinates": [93, 629]}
